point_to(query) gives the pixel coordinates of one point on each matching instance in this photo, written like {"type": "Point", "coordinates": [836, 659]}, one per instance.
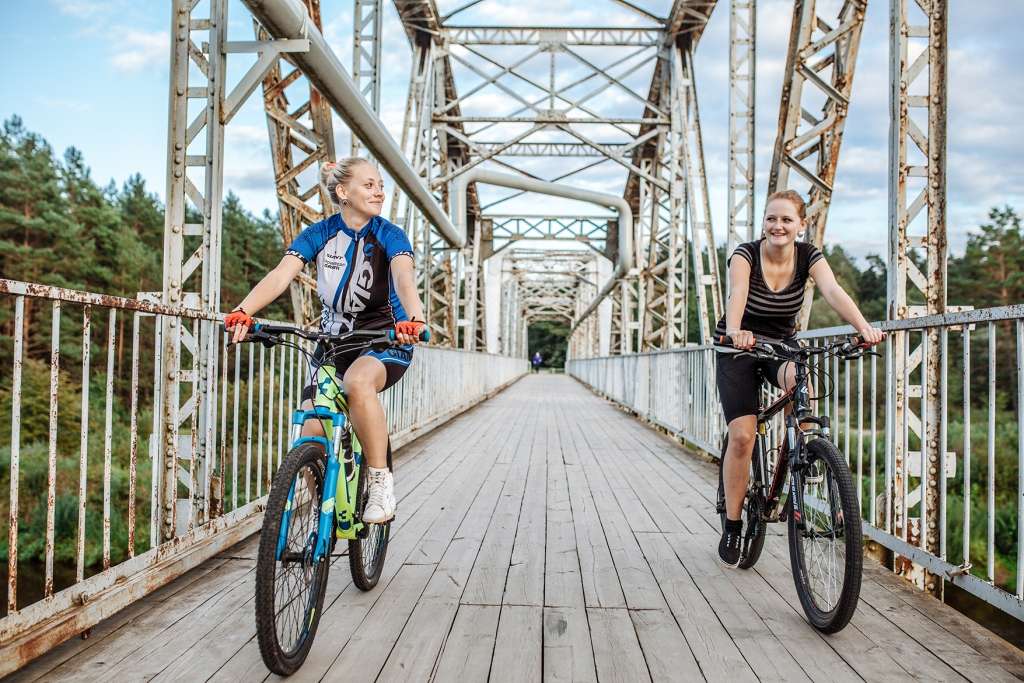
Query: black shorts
{"type": "Point", "coordinates": [739, 378]}
{"type": "Point", "coordinates": [396, 360]}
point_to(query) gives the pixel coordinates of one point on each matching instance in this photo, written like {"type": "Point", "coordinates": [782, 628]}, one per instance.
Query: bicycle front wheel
{"type": "Point", "coordinates": [289, 583]}
{"type": "Point", "coordinates": [366, 552]}
{"type": "Point", "coordinates": [826, 550]}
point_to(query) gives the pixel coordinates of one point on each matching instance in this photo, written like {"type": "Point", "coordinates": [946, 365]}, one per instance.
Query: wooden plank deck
{"type": "Point", "coordinates": [544, 535]}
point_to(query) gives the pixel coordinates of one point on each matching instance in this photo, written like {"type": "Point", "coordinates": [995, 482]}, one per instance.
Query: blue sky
{"type": "Point", "coordinates": [93, 74]}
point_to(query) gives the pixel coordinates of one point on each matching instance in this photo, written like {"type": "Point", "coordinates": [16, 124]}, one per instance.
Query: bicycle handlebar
{"type": "Point", "coordinates": [268, 333]}
{"type": "Point", "coordinates": [853, 346]}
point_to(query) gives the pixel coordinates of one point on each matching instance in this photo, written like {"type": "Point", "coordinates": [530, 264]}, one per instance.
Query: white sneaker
{"type": "Point", "coordinates": [380, 500]}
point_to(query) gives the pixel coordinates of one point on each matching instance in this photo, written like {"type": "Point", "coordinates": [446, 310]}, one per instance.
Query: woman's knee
{"type": "Point", "coordinates": [741, 435]}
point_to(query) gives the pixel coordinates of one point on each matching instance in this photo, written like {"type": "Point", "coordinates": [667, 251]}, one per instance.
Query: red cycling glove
{"type": "Point", "coordinates": [410, 327]}
{"type": "Point", "coordinates": [238, 317]}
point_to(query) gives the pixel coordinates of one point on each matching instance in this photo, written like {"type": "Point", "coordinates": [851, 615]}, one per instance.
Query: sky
{"type": "Point", "coordinates": [93, 74]}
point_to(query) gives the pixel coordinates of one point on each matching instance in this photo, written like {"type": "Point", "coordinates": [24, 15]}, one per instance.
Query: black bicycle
{"type": "Point", "coordinates": [819, 503]}
{"type": "Point", "coordinates": [317, 497]}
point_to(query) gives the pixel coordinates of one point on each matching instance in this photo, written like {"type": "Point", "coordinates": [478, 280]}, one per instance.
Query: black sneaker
{"type": "Point", "coordinates": [729, 548]}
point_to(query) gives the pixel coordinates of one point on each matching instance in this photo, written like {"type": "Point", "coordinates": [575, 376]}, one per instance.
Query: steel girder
{"type": "Point", "coordinates": [195, 172]}
{"type": "Point", "coordinates": [917, 222]}
{"type": "Point", "coordinates": [658, 294]}
{"type": "Point", "coordinates": [742, 98]}
{"type": "Point", "coordinates": [366, 46]}
{"type": "Point", "coordinates": [819, 68]}
{"type": "Point", "coordinates": [567, 35]}
{"type": "Point", "coordinates": [301, 139]}
{"type": "Point", "coordinates": [507, 230]}
{"type": "Point", "coordinates": [436, 152]}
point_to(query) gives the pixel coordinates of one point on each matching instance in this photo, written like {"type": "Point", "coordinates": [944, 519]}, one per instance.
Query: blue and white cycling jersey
{"type": "Point", "coordinates": [353, 272]}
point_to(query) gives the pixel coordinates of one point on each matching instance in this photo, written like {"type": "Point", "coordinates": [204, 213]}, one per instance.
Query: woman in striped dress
{"type": "Point", "coordinates": [766, 287]}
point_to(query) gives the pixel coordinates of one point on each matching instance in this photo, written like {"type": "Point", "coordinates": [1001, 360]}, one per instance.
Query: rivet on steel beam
{"type": "Point", "coordinates": [177, 174]}
{"type": "Point", "coordinates": [175, 229]}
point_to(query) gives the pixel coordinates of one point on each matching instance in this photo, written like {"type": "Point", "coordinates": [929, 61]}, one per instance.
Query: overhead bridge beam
{"type": "Point", "coordinates": [288, 19]}
{"type": "Point", "coordinates": [625, 256]}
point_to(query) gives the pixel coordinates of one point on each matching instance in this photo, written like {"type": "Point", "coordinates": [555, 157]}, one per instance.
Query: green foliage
{"type": "Point", "coordinates": [59, 227]}
{"type": "Point", "coordinates": [549, 338]}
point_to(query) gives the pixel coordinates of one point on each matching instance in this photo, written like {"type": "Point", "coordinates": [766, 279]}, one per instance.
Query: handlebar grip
{"type": "Point", "coordinates": [424, 335]}
{"type": "Point", "coordinates": [725, 339]}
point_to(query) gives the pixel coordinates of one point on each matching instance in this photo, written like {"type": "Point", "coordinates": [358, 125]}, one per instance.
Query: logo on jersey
{"type": "Point", "coordinates": [359, 287]}
{"type": "Point", "coordinates": [334, 261]}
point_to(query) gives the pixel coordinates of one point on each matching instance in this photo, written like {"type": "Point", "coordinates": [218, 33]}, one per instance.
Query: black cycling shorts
{"type": "Point", "coordinates": [739, 377]}
{"type": "Point", "coordinates": [396, 360]}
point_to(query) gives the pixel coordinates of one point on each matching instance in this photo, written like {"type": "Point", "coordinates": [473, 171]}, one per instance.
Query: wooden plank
{"type": "Point", "coordinates": [568, 653]}
{"type": "Point", "coordinates": [639, 587]}
{"type": "Point", "coordinates": [563, 586]}
{"type": "Point", "coordinates": [158, 653]}
{"type": "Point", "coordinates": [150, 625]}
{"type": "Point", "coordinates": [423, 636]}
{"type": "Point", "coordinates": [368, 647]}
{"type": "Point", "coordinates": [245, 666]}
{"type": "Point", "coordinates": [239, 628]}
{"type": "Point", "coordinates": [524, 584]}
{"type": "Point", "coordinates": [354, 607]}
{"type": "Point", "coordinates": [617, 653]}
{"type": "Point", "coordinates": [600, 580]}
{"type": "Point", "coordinates": [110, 627]}
{"type": "Point", "coordinates": [665, 650]}
{"type": "Point", "coordinates": [517, 647]}
{"type": "Point", "coordinates": [601, 586]}
{"type": "Point", "coordinates": [486, 583]}
{"type": "Point", "coordinates": [869, 637]}
{"type": "Point", "coordinates": [807, 657]}
{"type": "Point", "coordinates": [470, 645]}
{"type": "Point", "coordinates": [710, 642]}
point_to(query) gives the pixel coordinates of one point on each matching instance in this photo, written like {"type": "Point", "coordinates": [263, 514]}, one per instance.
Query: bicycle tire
{"type": "Point", "coordinates": [836, 617]}
{"type": "Point", "coordinates": [366, 553]}
{"type": "Point", "coordinates": [754, 526]}
{"type": "Point", "coordinates": [280, 660]}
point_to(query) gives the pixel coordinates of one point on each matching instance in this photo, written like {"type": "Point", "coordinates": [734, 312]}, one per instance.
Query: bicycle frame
{"type": "Point", "coordinates": [791, 457]}
{"type": "Point", "coordinates": [337, 512]}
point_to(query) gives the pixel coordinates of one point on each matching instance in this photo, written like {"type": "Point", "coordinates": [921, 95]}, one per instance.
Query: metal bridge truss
{"type": "Point", "coordinates": [816, 89]}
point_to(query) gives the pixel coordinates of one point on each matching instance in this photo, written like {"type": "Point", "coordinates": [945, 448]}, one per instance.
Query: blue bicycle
{"type": "Point", "coordinates": [316, 497]}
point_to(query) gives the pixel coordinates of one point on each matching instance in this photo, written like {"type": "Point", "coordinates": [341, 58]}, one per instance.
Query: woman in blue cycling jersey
{"type": "Point", "coordinates": [766, 291]}
{"type": "Point", "coordinates": [366, 280]}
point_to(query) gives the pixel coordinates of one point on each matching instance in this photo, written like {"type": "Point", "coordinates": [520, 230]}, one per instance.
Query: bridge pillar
{"type": "Point", "coordinates": [917, 221]}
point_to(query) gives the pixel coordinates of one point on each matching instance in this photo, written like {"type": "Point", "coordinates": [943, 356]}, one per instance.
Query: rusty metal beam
{"type": "Point", "coordinates": [820, 63]}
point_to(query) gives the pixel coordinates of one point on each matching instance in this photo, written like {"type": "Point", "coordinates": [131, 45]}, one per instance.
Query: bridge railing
{"type": "Point", "coordinates": [84, 467]}
{"type": "Point", "coordinates": [974, 530]}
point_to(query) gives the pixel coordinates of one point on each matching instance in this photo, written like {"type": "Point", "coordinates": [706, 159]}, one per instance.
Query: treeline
{"type": "Point", "coordinates": [59, 227]}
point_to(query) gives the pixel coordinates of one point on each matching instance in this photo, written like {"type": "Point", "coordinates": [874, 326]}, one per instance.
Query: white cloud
{"type": "Point", "coordinates": [141, 50]}
{"type": "Point", "coordinates": [82, 9]}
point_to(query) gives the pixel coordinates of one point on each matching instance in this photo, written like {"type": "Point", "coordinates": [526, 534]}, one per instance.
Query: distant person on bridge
{"type": "Point", "coordinates": [536, 361]}
{"type": "Point", "coordinates": [366, 280]}
{"type": "Point", "coordinates": [766, 292]}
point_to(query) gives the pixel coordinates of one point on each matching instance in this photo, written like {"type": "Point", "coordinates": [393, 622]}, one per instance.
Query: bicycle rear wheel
{"type": "Point", "coordinates": [289, 584]}
{"type": "Point", "coordinates": [754, 526]}
{"type": "Point", "coordinates": [827, 553]}
{"type": "Point", "coordinates": [366, 553]}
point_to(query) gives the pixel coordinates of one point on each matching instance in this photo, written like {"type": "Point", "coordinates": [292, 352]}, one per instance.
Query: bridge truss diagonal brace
{"type": "Point", "coordinates": [707, 282]}
{"type": "Point", "coordinates": [917, 220]}
{"type": "Point", "coordinates": [820, 65]}
{"type": "Point", "coordinates": [192, 257]}
{"type": "Point", "coordinates": [742, 98]}
{"type": "Point", "coordinates": [301, 139]}
{"type": "Point", "coordinates": [366, 49]}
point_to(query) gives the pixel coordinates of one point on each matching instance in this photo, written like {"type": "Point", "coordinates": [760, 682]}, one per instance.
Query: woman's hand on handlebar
{"type": "Point", "coordinates": [741, 339]}
{"type": "Point", "coordinates": [871, 336]}
{"type": "Point", "coordinates": [409, 331]}
{"type": "Point", "coordinates": [238, 322]}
